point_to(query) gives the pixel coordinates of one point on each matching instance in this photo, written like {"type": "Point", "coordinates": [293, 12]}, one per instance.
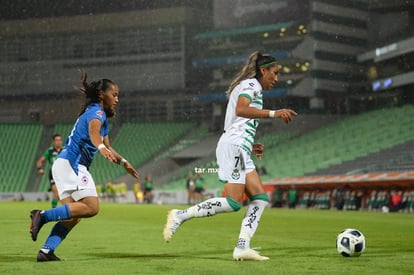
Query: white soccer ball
{"type": "Point", "coordinates": [350, 243]}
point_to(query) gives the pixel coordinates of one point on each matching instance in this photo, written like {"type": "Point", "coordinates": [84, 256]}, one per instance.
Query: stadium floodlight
{"type": "Point", "coordinates": [387, 83]}
{"type": "Point", "coordinates": [376, 85]}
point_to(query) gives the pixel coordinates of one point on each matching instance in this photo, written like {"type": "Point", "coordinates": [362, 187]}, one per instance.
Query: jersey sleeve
{"type": "Point", "coordinates": [97, 114]}
{"type": "Point", "coordinates": [247, 90]}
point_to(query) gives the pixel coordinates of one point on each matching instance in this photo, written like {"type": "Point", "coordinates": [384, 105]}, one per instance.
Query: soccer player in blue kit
{"type": "Point", "coordinates": [75, 185]}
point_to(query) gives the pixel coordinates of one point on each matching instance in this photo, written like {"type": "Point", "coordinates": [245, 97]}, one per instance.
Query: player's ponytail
{"type": "Point", "coordinates": [248, 71]}
{"type": "Point", "coordinates": [252, 69]}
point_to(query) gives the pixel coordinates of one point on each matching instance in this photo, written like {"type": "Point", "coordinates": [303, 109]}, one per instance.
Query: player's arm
{"type": "Point", "coordinates": [39, 165]}
{"type": "Point", "coordinates": [120, 160]}
{"type": "Point", "coordinates": [95, 137]}
{"type": "Point", "coordinates": [244, 110]}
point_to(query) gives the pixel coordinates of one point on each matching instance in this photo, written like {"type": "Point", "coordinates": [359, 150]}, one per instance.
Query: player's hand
{"type": "Point", "coordinates": [41, 171]}
{"type": "Point", "coordinates": [130, 169]}
{"type": "Point", "coordinates": [285, 115]}
{"type": "Point", "coordinates": [106, 153]}
{"type": "Point", "coordinates": [258, 150]}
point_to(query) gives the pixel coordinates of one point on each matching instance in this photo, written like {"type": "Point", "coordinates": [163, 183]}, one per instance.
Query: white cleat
{"type": "Point", "coordinates": [172, 224]}
{"type": "Point", "coordinates": [240, 254]}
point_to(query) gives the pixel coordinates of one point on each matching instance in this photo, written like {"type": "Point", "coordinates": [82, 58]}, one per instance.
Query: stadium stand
{"type": "Point", "coordinates": [138, 142]}
{"type": "Point", "coordinates": [192, 138]}
{"type": "Point", "coordinates": [396, 158]}
{"type": "Point", "coordinates": [346, 140]}
{"type": "Point", "coordinates": [18, 152]}
{"type": "Point", "coordinates": [336, 57]}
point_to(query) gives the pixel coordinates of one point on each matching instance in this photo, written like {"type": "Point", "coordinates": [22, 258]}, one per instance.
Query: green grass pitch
{"type": "Point", "coordinates": [127, 239]}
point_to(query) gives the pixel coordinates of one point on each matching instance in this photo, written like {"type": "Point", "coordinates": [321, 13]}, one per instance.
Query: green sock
{"type": "Point", "coordinates": [54, 203]}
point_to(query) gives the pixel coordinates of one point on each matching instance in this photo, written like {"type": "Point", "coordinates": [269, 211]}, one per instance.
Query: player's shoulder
{"type": "Point", "coordinates": [250, 84]}
{"type": "Point", "coordinates": [95, 110]}
{"type": "Point", "coordinates": [249, 87]}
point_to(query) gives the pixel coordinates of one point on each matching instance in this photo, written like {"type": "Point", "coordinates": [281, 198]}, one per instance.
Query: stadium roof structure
{"type": "Point", "coordinates": [402, 179]}
{"type": "Point", "coordinates": [389, 51]}
{"type": "Point", "coordinates": [239, 31]}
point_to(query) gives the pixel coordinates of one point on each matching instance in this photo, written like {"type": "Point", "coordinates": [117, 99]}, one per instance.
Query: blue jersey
{"type": "Point", "coordinates": [79, 148]}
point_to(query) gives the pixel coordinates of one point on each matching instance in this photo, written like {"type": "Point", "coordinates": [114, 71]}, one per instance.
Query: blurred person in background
{"type": "Point", "coordinates": [50, 155]}
{"type": "Point", "coordinates": [292, 197]}
{"type": "Point", "coordinates": [200, 185]}
{"type": "Point", "coordinates": [190, 185]}
{"type": "Point", "coordinates": [148, 186]}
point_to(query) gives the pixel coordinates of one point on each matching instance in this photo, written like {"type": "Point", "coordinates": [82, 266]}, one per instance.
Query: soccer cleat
{"type": "Point", "coordinates": [240, 254]}
{"type": "Point", "coordinates": [45, 257]}
{"type": "Point", "coordinates": [37, 223]}
{"type": "Point", "coordinates": [172, 224]}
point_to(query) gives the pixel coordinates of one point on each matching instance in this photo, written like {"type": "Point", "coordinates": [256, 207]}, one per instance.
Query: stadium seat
{"type": "Point", "coordinates": [16, 168]}
{"type": "Point", "coordinates": [348, 139]}
{"type": "Point", "coordinates": [138, 142]}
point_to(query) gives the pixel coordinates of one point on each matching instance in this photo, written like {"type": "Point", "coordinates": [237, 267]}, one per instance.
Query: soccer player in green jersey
{"type": "Point", "coordinates": [50, 156]}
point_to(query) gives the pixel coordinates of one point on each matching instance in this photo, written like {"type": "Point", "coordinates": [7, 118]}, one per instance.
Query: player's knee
{"type": "Point", "coordinates": [93, 210]}
{"type": "Point", "coordinates": [90, 210]}
{"type": "Point", "coordinates": [236, 205]}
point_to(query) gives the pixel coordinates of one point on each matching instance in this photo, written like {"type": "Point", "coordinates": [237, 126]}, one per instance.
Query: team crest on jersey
{"type": "Point", "coordinates": [99, 113]}
{"type": "Point", "coordinates": [235, 175]}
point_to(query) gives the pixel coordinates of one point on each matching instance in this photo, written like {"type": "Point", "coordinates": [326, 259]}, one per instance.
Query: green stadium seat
{"type": "Point", "coordinates": [16, 168]}
{"type": "Point", "coordinates": [138, 142]}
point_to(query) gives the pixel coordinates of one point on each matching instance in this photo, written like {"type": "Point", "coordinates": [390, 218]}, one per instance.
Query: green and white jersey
{"type": "Point", "coordinates": [239, 130]}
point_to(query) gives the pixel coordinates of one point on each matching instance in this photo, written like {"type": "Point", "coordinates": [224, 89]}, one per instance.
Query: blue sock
{"type": "Point", "coordinates": [57, 214]}
{"type": "Point", "coordinates": [57, 235]}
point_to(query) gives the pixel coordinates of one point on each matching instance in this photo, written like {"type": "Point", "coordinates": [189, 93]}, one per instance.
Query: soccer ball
{"type": "Point", "coordinates": [350, 243]}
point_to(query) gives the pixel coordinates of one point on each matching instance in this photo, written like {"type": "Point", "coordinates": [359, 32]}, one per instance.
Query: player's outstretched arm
{"type": "Point", "coordinates": [285, 115]}
{"type": "Point", "coordinates": [244, 110]}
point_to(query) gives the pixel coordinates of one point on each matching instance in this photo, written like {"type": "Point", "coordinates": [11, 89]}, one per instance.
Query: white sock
{"type": "Point", "coordinates": [206, 208]}
{"type": "Point", "coordinates": [45, 250]}
{"type": "Point", "coordinates": [250, 222]}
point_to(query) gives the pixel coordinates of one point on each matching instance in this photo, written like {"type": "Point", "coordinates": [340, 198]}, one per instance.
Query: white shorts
{"type": "Point", "coordinates": [69, 184]}
{"type": "Point", "coordinates": [233, 163]}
